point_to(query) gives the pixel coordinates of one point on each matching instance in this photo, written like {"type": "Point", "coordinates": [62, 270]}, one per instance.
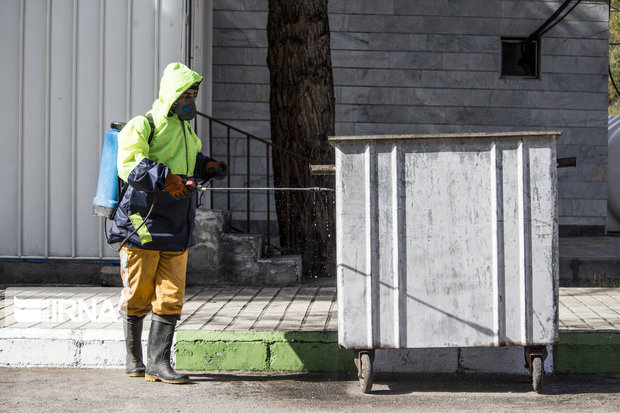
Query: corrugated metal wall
{"type": "Point", "coordinates": [69, 68]}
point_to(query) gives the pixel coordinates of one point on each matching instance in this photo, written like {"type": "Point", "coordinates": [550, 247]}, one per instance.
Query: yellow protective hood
{"type": "Point", "coordinates": [176, 79]}
{"type": "Point", "coordinates": [174, 143]}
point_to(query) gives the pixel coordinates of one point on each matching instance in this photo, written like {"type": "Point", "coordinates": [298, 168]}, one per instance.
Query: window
{"type": "Point", "coordinates": [519, 59]}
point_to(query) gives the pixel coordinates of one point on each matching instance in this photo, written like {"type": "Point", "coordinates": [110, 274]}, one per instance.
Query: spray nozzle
{"type": "Point", "coordinates": [192, 185]}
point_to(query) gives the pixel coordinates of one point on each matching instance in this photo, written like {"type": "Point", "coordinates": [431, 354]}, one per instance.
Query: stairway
{"type": "Point", "coordinates": [221, 257]}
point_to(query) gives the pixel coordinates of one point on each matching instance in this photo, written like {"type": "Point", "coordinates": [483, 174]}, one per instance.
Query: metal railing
{"type": "Point", "coordinates": [249, 175]}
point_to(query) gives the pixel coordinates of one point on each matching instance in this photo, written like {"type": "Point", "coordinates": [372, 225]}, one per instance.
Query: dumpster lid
{"type": "Point", "coordinates": [500, 135]}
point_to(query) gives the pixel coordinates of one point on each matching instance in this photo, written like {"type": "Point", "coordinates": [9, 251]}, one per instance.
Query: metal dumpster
{"type": "Point", "coordinates": [447, 240]}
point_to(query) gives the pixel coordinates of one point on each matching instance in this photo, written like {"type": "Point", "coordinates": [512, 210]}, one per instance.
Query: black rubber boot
{"type": "Point", "coordinates": [158, 350]}
{"type": "Point", "coordinates": [134, 367]}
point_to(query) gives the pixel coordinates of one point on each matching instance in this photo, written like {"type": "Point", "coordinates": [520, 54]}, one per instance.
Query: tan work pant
{"type": "Point", "coordinates": [152, 281]}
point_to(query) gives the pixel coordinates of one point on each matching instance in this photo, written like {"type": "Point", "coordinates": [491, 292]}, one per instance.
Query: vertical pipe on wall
{"type": "Point", "coordinates": [100, 126]}
{"type": "Point", "coordinates": [74, 130]}
{"type": "Point", "coordinates": [46, 133]}
{"type": "Point", "coordinates": [128, 57]}
{"type": "Point", "coordinates": [192, 34]}
{"type": "Point", "coordinates": [20, 130]}
{"type": "Point", "coordinates": [187, 27]}
{"type": "Point", "coordinates": [157, 37]}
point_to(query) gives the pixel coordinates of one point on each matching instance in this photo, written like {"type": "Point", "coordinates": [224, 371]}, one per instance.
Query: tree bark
{"type": "Point", "coordinates": [302, 109]}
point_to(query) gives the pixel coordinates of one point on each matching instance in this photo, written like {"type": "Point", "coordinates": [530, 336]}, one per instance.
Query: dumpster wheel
{"type": "Point", "coordinates": [535, 358]}
{"type": "Point", "coordinates": [538, 374]}
{"type": "Point", "coordinates": [363, 361]}
{"type": "Point", "coordinates": [365, 373]}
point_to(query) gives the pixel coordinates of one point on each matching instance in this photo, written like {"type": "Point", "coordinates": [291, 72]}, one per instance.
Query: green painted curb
{"type": "Point", "coordinates": [245, 350]}
{"type": "Point", "coordinates": [311, 356]}
{"type": "Point", "coordinates": [221, 355]}
{"type": "Point", "coordinates": [587, 352]}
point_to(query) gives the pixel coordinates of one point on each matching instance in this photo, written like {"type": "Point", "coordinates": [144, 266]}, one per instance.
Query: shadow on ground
{"type": "Point", "coordinates": [402, 384]}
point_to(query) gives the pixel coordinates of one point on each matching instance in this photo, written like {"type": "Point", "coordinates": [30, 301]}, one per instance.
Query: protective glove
{"type": "Point", "coordinates": [175, 187]}
{"type": "Point", "coordinates": [217, 169]}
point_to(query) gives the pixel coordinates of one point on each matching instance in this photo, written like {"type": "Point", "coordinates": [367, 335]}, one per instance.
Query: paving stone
{"type": "Point", "coordinates": [319, 311]}
{"type": "Point", "coordinates": [276, 310]}
{"type": "Point", "coordinates": [288, 309]}
{"type": "Point", "coordinates": [254, 309]}
{"type": "Point", "coordinates": [296, 312]}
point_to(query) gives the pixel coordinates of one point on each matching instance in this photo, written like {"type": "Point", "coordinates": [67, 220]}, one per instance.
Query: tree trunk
{"type": "Point", "coordinates": [302, 117]}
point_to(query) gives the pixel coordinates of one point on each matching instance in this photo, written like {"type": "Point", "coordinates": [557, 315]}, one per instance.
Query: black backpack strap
{"type": "Point", "coordinates": [149, 117]}
{"type": "Point", "coordinates": [124, 185]}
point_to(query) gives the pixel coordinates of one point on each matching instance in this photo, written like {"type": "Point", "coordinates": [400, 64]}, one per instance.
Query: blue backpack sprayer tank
{"type": "Point", "coordinates": [107, 197]}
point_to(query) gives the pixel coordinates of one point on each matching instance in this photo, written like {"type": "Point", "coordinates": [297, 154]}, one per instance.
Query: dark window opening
{"type": "Point", "coordinates": [520, 59]}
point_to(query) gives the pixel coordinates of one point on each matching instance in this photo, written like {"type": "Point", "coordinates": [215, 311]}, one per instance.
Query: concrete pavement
{"type": "Point", "coordinates": [87, 390]}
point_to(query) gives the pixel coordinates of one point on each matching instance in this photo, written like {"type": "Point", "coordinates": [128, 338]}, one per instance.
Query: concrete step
{"type": "Point", "coordinates": [279, 270]}
{"type": "Point", "coordinates": [226, 258]}
{"type": "Point", "coordinates": [212, 221]}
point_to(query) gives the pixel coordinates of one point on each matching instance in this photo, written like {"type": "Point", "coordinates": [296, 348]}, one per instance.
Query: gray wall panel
{"type": "Point", "coordinates": [60, 174]}
{"type": "Point", "coordinates": [35, 132]}
{"type": "Point", "coordinates": [86, 125]}
{"type": "Point", "coordinates": [11, 106]}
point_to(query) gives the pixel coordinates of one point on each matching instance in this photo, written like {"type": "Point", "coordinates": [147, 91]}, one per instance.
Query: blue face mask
{"type": "Point", "coordinates": [186, 109]}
